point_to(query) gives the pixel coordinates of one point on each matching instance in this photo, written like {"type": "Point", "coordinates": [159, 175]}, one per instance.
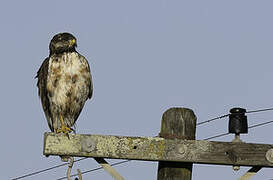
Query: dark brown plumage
{"type": "Point", "coordinates": [64, 83]}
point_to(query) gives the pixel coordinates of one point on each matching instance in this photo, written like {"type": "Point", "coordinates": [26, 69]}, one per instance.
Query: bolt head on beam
{"type": "Point", "coordinates": [269, 155]}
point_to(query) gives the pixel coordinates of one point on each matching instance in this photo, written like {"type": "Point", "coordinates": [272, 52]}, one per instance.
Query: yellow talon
{"type": "Point", "coordinates": [64, 129]}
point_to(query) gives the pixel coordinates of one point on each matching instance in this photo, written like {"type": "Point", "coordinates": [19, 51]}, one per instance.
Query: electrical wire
{"type": "Point", "coordinates": [260, 124]}
{"type": "Point", "coordinates": [219, 135]}
{"type": "Point", "coordinates": [249, 127]}
{"type": "Point", "coordinates": [44, 170]}
{"type": "Point", "coordinates": [260, 110]}
{"type": "Point", "coordinates": [226, 115]}
{"type": "Point", "coordinates": [213, 119]}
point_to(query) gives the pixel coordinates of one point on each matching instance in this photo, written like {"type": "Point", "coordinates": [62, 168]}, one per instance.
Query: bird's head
{"type": "Point", "coordinates": [62, 42]}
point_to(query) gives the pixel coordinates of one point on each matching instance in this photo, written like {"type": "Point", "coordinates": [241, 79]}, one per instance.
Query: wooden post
{"type": "Point", "coordinates": [179, 123]}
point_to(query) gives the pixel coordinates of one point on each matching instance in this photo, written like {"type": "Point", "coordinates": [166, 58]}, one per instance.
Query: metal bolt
{"type": "Point", "coordinates": [88, 145]}
{"type": "Point", "coordinates": [181, 149]}
{"type": "Point", "coordinates": [269, 155]}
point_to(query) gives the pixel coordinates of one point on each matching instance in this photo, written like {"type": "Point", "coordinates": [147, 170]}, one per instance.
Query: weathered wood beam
{"type": "Point", "coordinates": [179, 123]}
{"type": "Point", "coordinates": [159, 149]}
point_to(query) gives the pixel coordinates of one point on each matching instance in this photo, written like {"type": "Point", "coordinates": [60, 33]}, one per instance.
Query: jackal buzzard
{"type": "Point", "coordinates": [64, 83]}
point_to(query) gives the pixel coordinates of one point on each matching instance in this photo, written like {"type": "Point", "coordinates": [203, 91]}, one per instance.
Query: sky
{"type": "Point", "coordinates": [146, 56]}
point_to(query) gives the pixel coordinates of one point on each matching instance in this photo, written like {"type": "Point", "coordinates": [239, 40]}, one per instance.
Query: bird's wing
{"type": "Point", "coordinates": [90, 84]}
{"type": "Point", "coordinates": [89, 79]}
{"type": "Point", "coordinates": [43, 93]}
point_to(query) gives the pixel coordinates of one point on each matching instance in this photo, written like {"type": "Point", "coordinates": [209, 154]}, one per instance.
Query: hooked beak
{"type": "Point", "coordinates": [73, 42]}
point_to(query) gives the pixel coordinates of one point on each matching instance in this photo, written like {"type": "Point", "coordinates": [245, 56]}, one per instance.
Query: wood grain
{"type": "Point", "coordinates": [157, 149]}
{"type": "Point", "coordinates": [177, 123]}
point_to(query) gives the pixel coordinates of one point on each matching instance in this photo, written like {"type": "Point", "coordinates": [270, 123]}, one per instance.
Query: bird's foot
{"type": "Point", "coordinates": [64, 129]}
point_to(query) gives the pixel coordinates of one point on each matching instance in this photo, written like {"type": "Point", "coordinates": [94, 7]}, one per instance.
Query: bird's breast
{"type": "Point", "coordinates": [66, 78]}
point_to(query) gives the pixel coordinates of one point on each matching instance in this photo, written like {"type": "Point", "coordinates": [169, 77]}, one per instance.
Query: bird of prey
{"type": "Point", "coordinates": [64, 83]}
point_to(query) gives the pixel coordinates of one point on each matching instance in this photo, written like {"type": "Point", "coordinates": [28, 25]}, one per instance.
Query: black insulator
{"type": "Point", "coordinates": [237, 121]}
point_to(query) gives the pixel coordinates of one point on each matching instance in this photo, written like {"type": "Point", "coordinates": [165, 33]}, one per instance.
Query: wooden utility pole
{"type": "Point", "coordinates": [175, 150]}
{"type": "Point", "coordinates": [177, 123]}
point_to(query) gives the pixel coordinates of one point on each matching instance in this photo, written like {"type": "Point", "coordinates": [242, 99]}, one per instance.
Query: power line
{"type": "Point", "coordinates": [249, 127]}
{"type": "Point", "coordinates": [226, 115]}
{"type": "Point", "coordinates": [213, 119]}
{"type": "Point", "coordinates": [260, 110]}
{"type": "Point", "coordinates": [216, 136]}
{"type": "Point", "coordinates": [44, 170]}
{"type": "Point", "coordinates": [260, 124]}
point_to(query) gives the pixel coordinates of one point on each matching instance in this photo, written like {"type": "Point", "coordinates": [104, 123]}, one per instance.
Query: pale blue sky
{"type": "Point", "coordinates": [146, 56]}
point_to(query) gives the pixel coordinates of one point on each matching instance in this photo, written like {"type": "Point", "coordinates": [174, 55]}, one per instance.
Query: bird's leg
{"type": "Point", "coordinates": [64, 128]}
